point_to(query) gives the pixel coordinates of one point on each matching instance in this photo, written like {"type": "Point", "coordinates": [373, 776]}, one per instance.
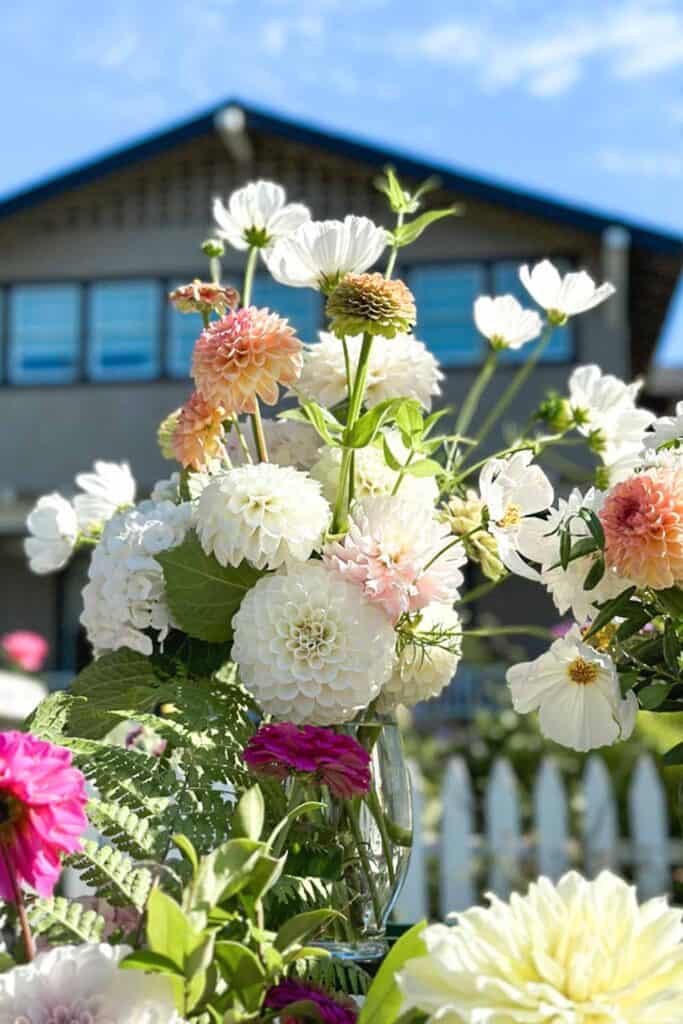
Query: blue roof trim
{"type": "Point", "coordinates": [467, 185]}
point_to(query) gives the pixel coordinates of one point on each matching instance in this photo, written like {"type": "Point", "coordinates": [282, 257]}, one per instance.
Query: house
{"type": "Point", "coordinates": [93, 357]}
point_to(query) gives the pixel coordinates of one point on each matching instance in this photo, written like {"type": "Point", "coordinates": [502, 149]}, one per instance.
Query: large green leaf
{"type": "Point", "coordinates": [383, 1002]}
{"type": "Point", "coordinates": [122, 684]}
{"type": "Point", "coordinates": [203, 595]}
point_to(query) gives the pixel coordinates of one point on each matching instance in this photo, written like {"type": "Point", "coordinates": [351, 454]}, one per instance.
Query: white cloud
{"type": "Point", "coordinates": [662, 164]}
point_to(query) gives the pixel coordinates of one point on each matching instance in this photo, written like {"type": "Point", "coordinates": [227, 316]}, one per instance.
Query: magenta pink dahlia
{"type": "Point", "coordinates": [335, 1009]}
{"type": "Point", "coordinates": [27, 649]}
{"type": "Point", "coordinates": [42, 812]}
{"type": "Point", "coordinates": [336, 760]}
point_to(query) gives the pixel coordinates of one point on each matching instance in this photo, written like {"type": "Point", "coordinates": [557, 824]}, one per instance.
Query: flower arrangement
{"type": "Point", "coordinates": [292, 583]}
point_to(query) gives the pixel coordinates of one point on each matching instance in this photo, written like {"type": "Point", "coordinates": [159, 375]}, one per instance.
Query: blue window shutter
{"type": "Point", "coordinates": [44, 333]}
{"type": "Point", "coordinates": [124, 330]}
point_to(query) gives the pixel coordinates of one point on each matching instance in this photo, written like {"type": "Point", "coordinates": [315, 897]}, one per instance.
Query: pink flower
{"type": "Point", "coordinates": [331, 1009]}
{"type": "Point", "coordinates": [643, 522]}
{"type": "Point", "coordinates": [29, 650]}
{"type": "Point", "coordinates": [245, 356]}
{"type": "Point", "coordinates": [336, 760]}
{"type": "Point", "coordinates": [42, 801]}
{"type": "Point", "coordinates": [403, 558]}
{"type": "Point", "coordinates": [198, 432]}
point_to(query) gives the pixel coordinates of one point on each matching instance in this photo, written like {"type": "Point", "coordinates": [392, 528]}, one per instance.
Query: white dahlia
{"type": "Point", "coordinates": [264, 513]}
{"type": "Point", "coordinates": [373, 477]}
{"type": "Point", "coordinates": [422, 671]}
{"type": "Point", "coordinates": [309, 648]}
{"type": "Point", "coordinates": [397, 366]}
{"type": "Point", "coordinates": [257, 214]}
{"type": "Point", "coordinates": [579, 952]}
{"type": "Point", "coordinates": [84, 985]}
{"type": "Point", "coordinates": [320, 252]}
{"type": "Point", "coordinates": [110, 487]}
{"type": "Point", "coordinates": [124, 598]}
{"type": "Point", "coordinates": [53, 531]}
{"type": "Point", "coordinates": [400, 561]}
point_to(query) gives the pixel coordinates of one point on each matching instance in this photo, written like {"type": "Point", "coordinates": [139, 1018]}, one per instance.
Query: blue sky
{"type": "Point", "coordinates": [581, 100]}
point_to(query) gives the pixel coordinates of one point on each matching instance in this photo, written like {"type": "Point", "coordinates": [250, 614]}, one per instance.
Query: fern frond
{"type": "Point", "coordinates": [142, 838]}
{"type": "Point", "coordinates": [113, 875]}
{"type": "Point", "coordinates": [334, 975]}
{"type": "Point", "coordinates": [63, 920]}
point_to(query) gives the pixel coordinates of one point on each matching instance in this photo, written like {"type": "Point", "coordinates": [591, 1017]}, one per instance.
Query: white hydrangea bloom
{"type": "Point", "coordinates": [373, 476]}
{"type": "Point", "coordinates": [505, 322]}
{"type": "Point", "coordinates": [608, 412]}
{"type": "Point", "coordinates": [579, 952]}
{"type": "Point", "coordinates": [397, 366]}
{"type": "Point", "coordinates": [289, 443]}
{"type": "Point", "coordinates": [666, 428]}
{"type": "Point", "coordinates": [423, 672]}
{"type": "Point", "coordinates": [264, 513]}
{"type": "Point", "coordinates": [53, 530]}
{"type": "Point", "coordinates": [319, 253]}
{"type": "Point", "coordinates": [309, 648]}
{"type": "Point", "coordinates": [166, 490]}
{"type": "Point", "coordinates": [258, 207]}
{"type": "Point", "coordinates": [124, 596]}
{"type": "Point", "coordinates": [576, 691]}
{"type": "Point", "coordinates": [84, 985]}
{"type": "Point", "coordinates": [110, 487]}
{"type": "Point", "coordinates": [566, 296]}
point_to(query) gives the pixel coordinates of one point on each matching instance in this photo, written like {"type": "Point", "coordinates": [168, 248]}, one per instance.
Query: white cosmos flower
{"type": "Point", "coordinates": [53, 530]}
{"type": "Point", "coordinates": [84, 985]}
{"type": "Point", "coordinates": [562, 297]}
{"type": "Point", "coordinates": [319, 253]}
{"type": "Point", "coordinates": [579, 952]}
{"type": "Point", "coordinates": [576, 691]}
{"type": "Point", "coordinates": [397, 366]}
{"type": "Point", "coordinates": [257, 214]}
{"type": "Point", "coordinates": [309, 648]}
{"type": "Point", "coordinates": [512, 490]}
{"type": "Point", "coordinates": [421, 672]}
{"type": "Point", "coordinates": [264, 513]}
{"type": "Point", "coordinates": [608, 413]}
{"type": "Point", "coordinates": [110, 487]}
{"type": "Point", "coordinates": [666, 428]}
{"type": "Point", "coordinates": [505, 322]}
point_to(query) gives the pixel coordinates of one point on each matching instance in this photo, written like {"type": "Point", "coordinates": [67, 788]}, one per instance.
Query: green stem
{"type": "Point", "coordinates": [402, 474]}
{"type": "Point", "coordinates": [391, 263]}
{"type": "Point", "coordinates": [242, 439]}
{"type": "Point", "coordinates": [249, 271]}
{"type": "Point", "coordinates": [539, 631]}
{"type": "Point", "coordinates": [292, 802]}
{"type": "Point", "coordinates": [451, 544]}
{"type": "Point", "coordinates": [256, 421]}
{"type": "Point", "coordinates": [342, 503]}
{"type": "Point", "coordinates": [352, 816]}
{"type": "Point", "coordinates": [483, 589]}
{"type": "Point", "coordinates": [29, 944]}
{"type": "Point", "coordinates": [259, 436]}
{"type": "Point", "coordinates": [469, 406]}
{"type": "Point", "coordinates": [374, 806]}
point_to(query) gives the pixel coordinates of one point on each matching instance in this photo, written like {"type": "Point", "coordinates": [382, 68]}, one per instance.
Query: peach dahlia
{"type": "Point", "coordinates": [198, 432]}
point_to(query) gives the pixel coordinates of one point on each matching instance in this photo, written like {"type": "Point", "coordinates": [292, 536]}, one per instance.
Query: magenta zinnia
{"type": "Point", "coordinates": [336, 760]}
{"type": "Point", "coordinates": [42, 812]}
{"type": "Point", "coordinates": [331, 1009]}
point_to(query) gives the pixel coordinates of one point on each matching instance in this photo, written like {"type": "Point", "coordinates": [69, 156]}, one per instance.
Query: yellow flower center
{"type": "Point", "coordinates": [582, 672]}
{"type": "Point", "coordinates": [604, 638]}
{"type": "Point", "coordinates": [513, 514]}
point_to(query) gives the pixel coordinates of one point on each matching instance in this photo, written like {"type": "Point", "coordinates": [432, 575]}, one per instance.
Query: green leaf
{"type": "Point", "coordinates": [597, 571]}
{"type": "Point", "coordinates": [152, 963]}
{"type": "Point", "coordinates": [671, 601]}
{"type": "Point", "coordinates": [671, 647]}
{"type": "Point", "coordinates": [633, 624]}
{"type": "Point", "coordinates": [409, 418]}
{"type": "Point", "coordinates": [303, 926]}
{"type": "Point", "coordinates": [383, 1002]}
{"type": "Point", "coordinates": [594, 525]}
{"type": "Point", "coordinates": [318, 861]}
{"type": "Point", "coordinates": [611, 610]}
{"type": "Point", "coordinates": [367, 427]}
{"type": "Point", "coordinates": [200, 658]}
{"type": "Point", "coordinates": [565, 548]}
{"type": "Point", "coordinates": [118, 685]}
{"type": "Point", "coordinates": [220, 875]}
{"type": "Point", "coordinates": [410, 232]}
{"type": "Point", "coordinates": [674, 756]}
{"type": "Point", "coordinates": [169, 932]}
{"type": "Point", "coordinates": [203, 595]}
{"type": "Point", "coordinates": [188, 851]}
{"type": "Point", "coordinates": [652, 696]}
{"type": "Point", "coordinates": [389, 457]}
{"type": "Point", "coordinates": [326, 424]}
{"type": "Point", "coordinates": [249, 815]}
{"type": "Point", "coordinates": [424, 467]}
{"type": "Point", "coordinates": [243, 972]}
{"type": "Point", "coordinates": [66, 920]}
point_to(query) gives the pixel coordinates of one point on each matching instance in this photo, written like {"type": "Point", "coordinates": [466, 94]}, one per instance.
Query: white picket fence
{"type": "Point", "coordinates": [506, 857]}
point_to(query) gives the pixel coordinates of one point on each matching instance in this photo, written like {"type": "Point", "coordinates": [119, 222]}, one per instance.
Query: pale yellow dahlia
{"type": "Point", "coordinates": [578, 952]}
{"type": "Point", "coordinates": [245, 356]}
{"type": "Point", "coordinates": [198, 432]}
{"type": "Point", "coordinates": [369, 303]}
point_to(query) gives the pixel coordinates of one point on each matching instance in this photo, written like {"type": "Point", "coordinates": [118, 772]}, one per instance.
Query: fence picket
{"type": "Point", "coordinates": [502, 825]}
{"type": "Point", "coordinates": [600, 828]}
{"type": "Point", "coordinates": [412, 903]}
{"type": "Point", "coordinates": [550, 814]}
{"type": "Point", "coordinates": [649, 826]}
{"type": "Point", "coordinates": [456, 841]}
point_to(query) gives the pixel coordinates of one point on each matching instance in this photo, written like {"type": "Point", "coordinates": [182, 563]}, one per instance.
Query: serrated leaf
{"type": "Point", "coordinates": [113, 874]}
{"type": "Point", "coordinates": [203, 595]}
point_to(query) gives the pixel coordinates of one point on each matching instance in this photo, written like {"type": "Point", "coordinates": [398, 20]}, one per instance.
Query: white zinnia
{"type": "Point", "coordinates": [258, 208]}
{"type": "Point", "coordinates": [397, 366]}
{"type": "Point", "coordinates": [53, 530]}
{"type": "Point", "coordinates": [264, 513]}
{"type": "Point", "coordinates": [125, 596]}
{"type": "Point", "coordinates": [608, 413]}
{"type": "Point", "coordinates": [309, 648]}
{"type": "Point", "coordinates": [422, 672]}
{"type": "Point", "coordinates": [566, 296]}
{"type": "Point", "coordinates": [666, 428]}
{"type": "Point", "coordinates": [579, 952]}
{"type": "Point", "coordinates": [505, 322]}
{"type": "Point", "coordinates": [84, 985]}
{"type": "Point", "coordinates": [512, 490]}
{"type": "Point", "coordinates": [373, 477]}
{"type": "Point", "coordinates": [576, 691]}
{"type": "Point", "coordinates": [319, 253]}
{"type": "Point", "coordinates": [110, 487]}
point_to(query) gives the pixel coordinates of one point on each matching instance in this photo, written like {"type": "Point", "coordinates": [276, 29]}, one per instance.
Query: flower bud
{"type": "Point", "coordinates": [165, 433]}
{"type": "Point", "coordinates": [213, 248]}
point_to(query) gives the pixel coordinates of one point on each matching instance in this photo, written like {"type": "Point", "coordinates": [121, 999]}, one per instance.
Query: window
{"type": "Point", "coordinates": [124, 319]}
{"type": "Point", "coordinates": [561, 346]}
{"type": "Point", "coordinates": [183, 331]}
{"type": "Point", "coordinates": [301, 306]}
{"type": "Point", "coordinates": [444, 297]}
{"type": "Point", "coordinates": [44, 333]}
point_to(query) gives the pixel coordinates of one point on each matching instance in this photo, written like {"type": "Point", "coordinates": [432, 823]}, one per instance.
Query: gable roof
{"type": "Point", "coordinates": [466, 184]}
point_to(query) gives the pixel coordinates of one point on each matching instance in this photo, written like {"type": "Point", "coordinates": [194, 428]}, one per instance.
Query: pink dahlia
{"type": "Point", "coordinates": [204, 297]}
{"type": "Point", "coordinates": [643, 522]}
{"type": "Point", "coordinates": [245, 356]}
{"type": "Point", "coordinates": [42, 812]}
{"type": "Point", "coordinates": [336, 760]}
{"type": "Point", "coordinates": [27, 649]}
{"type": "Point", "coordinates": [198, 432]}
{"type": "Point", "coordinates": [402, 558]}
{"type": "Point", "coordinates": [331, 1009]}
